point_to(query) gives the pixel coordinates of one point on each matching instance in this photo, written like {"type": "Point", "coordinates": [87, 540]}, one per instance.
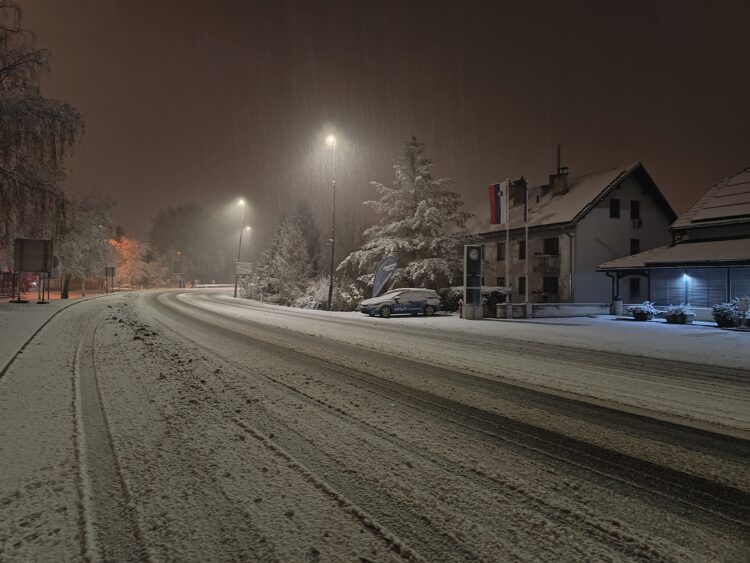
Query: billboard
{"type": "Point", "coordinates": [33, 256]}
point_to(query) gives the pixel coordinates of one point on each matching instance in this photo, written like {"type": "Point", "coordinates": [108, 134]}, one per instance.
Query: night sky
{"type": "Point", "coordinates": [208, 101]}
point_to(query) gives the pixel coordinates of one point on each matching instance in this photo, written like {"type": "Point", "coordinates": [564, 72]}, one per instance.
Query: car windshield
{"type": "Point", "coordinates": [391, 294]}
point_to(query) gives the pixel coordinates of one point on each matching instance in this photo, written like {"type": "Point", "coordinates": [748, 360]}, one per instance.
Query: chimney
{"type": "Point", "coordinates": [559, 181]}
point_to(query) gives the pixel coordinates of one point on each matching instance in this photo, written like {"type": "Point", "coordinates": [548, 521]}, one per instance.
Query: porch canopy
{"type": "Point", "coordinates": [700, 273]}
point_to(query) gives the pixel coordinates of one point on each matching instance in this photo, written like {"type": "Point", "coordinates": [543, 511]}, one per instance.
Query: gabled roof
{"type": "Point", "coordinates": [686, 254]}
{"type": "Point", "coordinates": [584, 193]}
{"type": "Point", "coordinates": [728, 201]}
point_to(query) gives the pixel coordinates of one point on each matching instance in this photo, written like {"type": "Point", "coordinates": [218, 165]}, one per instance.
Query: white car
{"type": "Point", "coordinates": [406, 300]}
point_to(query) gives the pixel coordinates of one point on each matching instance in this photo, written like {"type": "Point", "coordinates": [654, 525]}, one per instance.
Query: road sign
{"type": "Point", "coordinates": [32, 255]}
{"type": "Point", "coordinates": [179, 267]}
{"type": "Point", "coordinates": [109, 271]}
{"type": "Point", "coordinates": [244, 268]}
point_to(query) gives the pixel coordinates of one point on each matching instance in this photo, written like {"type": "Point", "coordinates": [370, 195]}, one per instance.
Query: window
{"type": "Point", "coordinates": [614, 208]}
{"type": "Point", "coordinates": [552, 246]}
{"type": "Point", "coordinates": [500, 251]}
{"type": "Point", "coordinates": [500, 281]}
{"type": "Point", "coordinates": [522, 250]}
{"type": "Point", "coordinates": [635, 209]}
{"type": "Point", "coordinates": [551, 285]}
{"type": "Point", "coordinates": [635, 287]}
{"type": "Point", "coordinates": [521, 286]}
{"type": "Point", "coordinates": [635, 245]}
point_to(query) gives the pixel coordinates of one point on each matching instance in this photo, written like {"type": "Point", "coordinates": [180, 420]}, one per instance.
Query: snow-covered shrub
{"type": "Point", "coordinates": [491, 296]}
{"type": "Point", "coordinates": [679, 314]}
{"type": "Point", "coordinates": [643, 312]}
{"type": "Point", "coordinates": [727, 314]}
{"type": "Point", "coordinates": [450, 296]}
{"type": "Point", "coordinates": [346, 295]}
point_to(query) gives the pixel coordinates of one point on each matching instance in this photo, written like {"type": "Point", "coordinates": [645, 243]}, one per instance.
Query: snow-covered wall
{"type": "Point", "coordinates": [600, 238]}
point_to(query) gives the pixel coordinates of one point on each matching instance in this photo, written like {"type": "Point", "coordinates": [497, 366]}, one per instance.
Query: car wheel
{"type": "Point", "coordinates": [385, 311]}
{"type": "Point", "coordinates": [429, 310]}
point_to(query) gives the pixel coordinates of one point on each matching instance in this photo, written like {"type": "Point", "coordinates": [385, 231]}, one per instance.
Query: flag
{"type": "Point", "coordinates": [498, 203]}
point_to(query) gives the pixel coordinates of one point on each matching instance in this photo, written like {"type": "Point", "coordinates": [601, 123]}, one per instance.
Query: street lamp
{"type": "Point", "coordinates": [331, 142]}
{"type": "Point", "coordinates": [241, 203]}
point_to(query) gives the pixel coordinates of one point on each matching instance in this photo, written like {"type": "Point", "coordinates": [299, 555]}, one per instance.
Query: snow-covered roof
{"type": "Point", "coordinates": [728, 201]}
{"type": "Point", "coordinates": [584, 192]}
{"type": "Point", "coordinates": [705, 253]}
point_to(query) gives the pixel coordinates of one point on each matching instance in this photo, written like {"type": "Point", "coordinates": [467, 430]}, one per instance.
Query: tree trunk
{"type": "Point", "coordinates": [65, 287]}
{"type": "Point", "coordinates": [83, 287]}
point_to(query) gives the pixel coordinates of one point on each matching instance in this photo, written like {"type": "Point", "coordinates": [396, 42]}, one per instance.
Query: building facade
{"type": "Point", "coordinates": [574, 224]}
{"type": "Point", "coordinates": [708, 259]}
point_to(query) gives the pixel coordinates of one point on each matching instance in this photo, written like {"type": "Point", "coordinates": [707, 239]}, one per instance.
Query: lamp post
{"type": "Point", "coordinates": [241, 203]}
{"type": "Point", "coordinates": [331, 142]}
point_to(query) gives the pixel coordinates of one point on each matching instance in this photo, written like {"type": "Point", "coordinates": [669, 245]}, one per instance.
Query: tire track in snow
{"type": "Point", "coordinates": [613, 536]}
{"type": "Point", "coordinates": [109, 524]}
{"type": "Point", "coordinates": [657, 367]}
{"type": "Point", "coordinates": [729, 505]}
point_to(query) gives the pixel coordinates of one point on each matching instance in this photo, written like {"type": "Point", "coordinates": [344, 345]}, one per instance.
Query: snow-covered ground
{"type": "Point", "coordinates": [697, 343]}
{"type": "Point", "coordinates": [190, 426]}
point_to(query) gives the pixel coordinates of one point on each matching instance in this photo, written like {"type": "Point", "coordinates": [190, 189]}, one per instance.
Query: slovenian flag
{"type": "Point", "coordinates": [498, 200]}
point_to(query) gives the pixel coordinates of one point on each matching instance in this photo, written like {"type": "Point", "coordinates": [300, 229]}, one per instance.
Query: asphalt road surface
{"type": "Point", "coordinates": [186, 426]}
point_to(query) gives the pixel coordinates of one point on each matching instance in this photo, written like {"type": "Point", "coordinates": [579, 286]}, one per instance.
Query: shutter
{"type": "Point", "coordinates": [667, 287]}
{"type": "Point", "coordinates": [706, 286]}
{"type": "Point", "coordinates": [739, 282]}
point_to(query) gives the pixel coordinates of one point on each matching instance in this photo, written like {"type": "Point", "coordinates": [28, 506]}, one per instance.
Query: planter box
{"type": "Point", "coordinates": [680, 319]}
{"type": "Point", "coordinates": [639, 316]}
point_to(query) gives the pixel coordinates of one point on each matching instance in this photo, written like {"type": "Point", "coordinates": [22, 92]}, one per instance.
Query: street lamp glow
{"type": "Point", "coordinates": [331, 141]}
{"type": "Point", "coordinates": [241, 202]}
{"type": "Point", "coordinates": [248, 228]}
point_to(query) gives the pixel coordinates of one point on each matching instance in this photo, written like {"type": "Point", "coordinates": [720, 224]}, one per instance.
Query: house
{"type": "Point", "coordinates": [574, 224]}
{"type": "Point", "coordinates": [708, 259]}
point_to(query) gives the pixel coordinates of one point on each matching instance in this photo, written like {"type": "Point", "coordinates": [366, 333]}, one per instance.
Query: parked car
{"type": "Point", "coordinates": [406, 300]}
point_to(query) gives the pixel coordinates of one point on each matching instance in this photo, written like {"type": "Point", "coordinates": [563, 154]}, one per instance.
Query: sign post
{"type": "Point", "coordinates": [178, 268]}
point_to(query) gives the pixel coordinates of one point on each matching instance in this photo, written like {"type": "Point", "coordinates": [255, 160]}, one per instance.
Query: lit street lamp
{"type": "Point", "coordinates": [331, 142]}
{"type": "Point", "coordinates": [241, 203]}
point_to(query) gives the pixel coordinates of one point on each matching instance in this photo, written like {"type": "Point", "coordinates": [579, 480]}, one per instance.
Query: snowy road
{"type": "Point", "coordinates": [189, 426]}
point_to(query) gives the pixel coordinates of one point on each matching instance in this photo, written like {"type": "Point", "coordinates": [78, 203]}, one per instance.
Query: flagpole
{"type": "Point", "coordinates": [526, 228]}
{"type": "Point", "coordinates": [507, 236]}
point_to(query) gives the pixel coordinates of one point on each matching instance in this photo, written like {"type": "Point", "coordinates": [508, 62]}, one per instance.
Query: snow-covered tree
{"type": "Point", "coordinates": [83, 245]}
{"type": "Point", "coordinates": [136, 264]}
{"type": "Point", "coordinates": [304, 219]}
{"type": "Point", "coordinates": [421, 223]}
{"type": "Point", "coordinates": [285, 267]}
{"type": "Point", "coordinates": [35, 134]}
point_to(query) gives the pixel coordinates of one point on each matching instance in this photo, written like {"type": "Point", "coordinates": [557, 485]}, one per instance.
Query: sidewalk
{"type": "Point", "coordinates": [18, 321]}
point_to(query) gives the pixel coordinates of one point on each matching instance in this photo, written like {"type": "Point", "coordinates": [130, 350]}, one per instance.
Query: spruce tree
{"type": "Point", "coordinates": [421, 223]}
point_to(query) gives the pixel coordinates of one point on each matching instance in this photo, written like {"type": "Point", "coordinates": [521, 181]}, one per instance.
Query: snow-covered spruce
{"type": "Point", "coordinates": [421, 223]}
